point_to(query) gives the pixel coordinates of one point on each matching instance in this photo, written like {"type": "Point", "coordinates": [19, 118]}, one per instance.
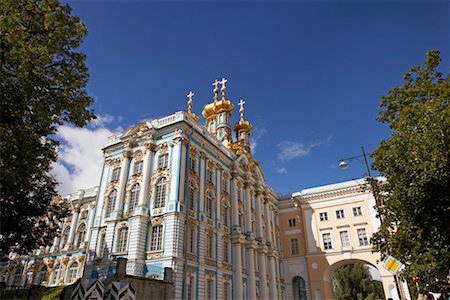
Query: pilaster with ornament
{"type": "Point", "coordinates": [150, 148]}
{"type": "Point", "coordinates": [127, 153]}
{"type": "Point", "coordinates": [73, 227]}
{"type": "Point", "coordinates": [201, 198]}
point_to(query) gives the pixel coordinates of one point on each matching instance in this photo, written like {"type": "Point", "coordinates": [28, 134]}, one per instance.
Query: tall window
{"type": "Point", "coordinates": [160, 195]}
{"type": "Point", "coordinates": [209, 175]}
{"type": "Point", "coordinates": [157, 232]}
{"type": "Point", "coordinates": [111, 203]}
{"type": "Point", "coordinates": [209, 289]}
{"type": "Point", "coordinates": [115, 174]}
{"type": "Point", "coordinates": [191, 195]}
{"type": "Point", "coordinates": [226, 250]}
{"type": "Point", "coordinates": [42, 273]}
{"type": "Point", "coordinates": [56, 273]}
{"type": "Point", "coordinates": [294, 246]}
{"type": "Point", "coordinates": [73, 272]}
{"type": "Point", "coordinates": [357, 211]}
{"type": "Point", "coordinates": [102, 247]}
{"type": "Point", "coordinates": [362, 237]}
{"type": "Point", "coordinates": [134, 197]}
{"type": "Point", "coordinates": [340, 214]}
{"type": "Point", "coordinates": [137, 169]}
{"type": "Point", "coordinates": [81, 234]}
{"type": "Point", "coordinates": [225, 185]}
{"type": "Point", "coordinates": [64, 237]}
{"type": "Point", "coordinates": [326, 237]}
{"type": "Point", "coordinates": [292, 222]}
{"type": "Point", "coordinates": [345, 241]}
{"type": "Point", "coordinates": [299, 288]}
{"type": "Point", "coordinates": [209, 245]}
{"type": "Point", "coordinates": [226, 215]}
{"type": "Point", "coordinates": [189, 289]}
{"type": "Point", "coordinates": [17, 276]}
{"type": "Point", "coordinates": [192, 164]}
{"type": "Point", "coordinates": [209, 204]}
{"type": "Point", "coordinates": [323, 216]}
{"type": "Point", "coordinates": [191, 245]}
{"type": "Point", "coordinates": [226, 290]}
{"type": "Point", "coordinates": [123, 240]}
{"type": "Point", "coordinates": [163, 161]}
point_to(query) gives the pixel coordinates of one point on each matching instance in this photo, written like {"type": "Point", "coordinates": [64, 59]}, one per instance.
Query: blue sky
{"type": "Point", "coordinates": [311, 73]}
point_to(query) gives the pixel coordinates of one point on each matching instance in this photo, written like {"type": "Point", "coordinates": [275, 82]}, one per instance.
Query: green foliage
{"type": "Point", "coordinates": [354, 281]}
{"type": "Point", "coordinates": [415, 201]}
{"type": "Point", "coordinates": [43, 84]}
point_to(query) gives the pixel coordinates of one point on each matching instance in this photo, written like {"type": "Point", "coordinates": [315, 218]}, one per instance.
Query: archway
{"type": "Point", "coordinates": [299, 286]}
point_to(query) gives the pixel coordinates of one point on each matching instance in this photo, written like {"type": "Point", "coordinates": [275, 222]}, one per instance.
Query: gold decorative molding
{"type": "Point", "coordinates": [157, 221]}
{"type": "Point", "coordinates": [138, 155]}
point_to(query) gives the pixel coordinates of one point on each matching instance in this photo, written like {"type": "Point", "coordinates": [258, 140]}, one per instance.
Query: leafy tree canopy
{"type": "Point", "coordinates": [415, 201]}
{"type": "Point", "coordinates": [43, 84]}
{"type": "Point", "coordinates": [354, 282]}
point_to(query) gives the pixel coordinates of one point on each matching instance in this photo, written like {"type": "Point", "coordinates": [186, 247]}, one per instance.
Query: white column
{"type": "Point", "coordinates": [218, 204]}
{"type": "Point", "coordinates": [90, 222]}
{"type": "Point", "coordinates": [272, 277]}
{"type": "Point", "coordinates": [267, 219]}
{"type": "Point", "coordinates": [175, 167]}
{"type": "Point", "coordinates": [146, 174]}
{"type": "Point", "coordinates": [202, 182]}
{"type": "Point", "coordinates": [73, 227]}
{"type": "Point", "coordinates": [236, 233]}
{"type": "Point", "coordinates": [263, 274]}
{"type": "Point", "coordinates": [251, 284]}
{"type": "Point", "coordinates": [123, 180]}
{"type": "Point", "coordinates": [258, 211]}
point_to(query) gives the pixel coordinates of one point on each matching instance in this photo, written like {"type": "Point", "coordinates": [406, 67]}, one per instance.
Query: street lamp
{"type": "Point", "coordinates": [344, 162]}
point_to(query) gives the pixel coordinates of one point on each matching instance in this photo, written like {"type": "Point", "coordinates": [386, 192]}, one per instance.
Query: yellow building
{"type": "Point", "coordinates": [325, 228]}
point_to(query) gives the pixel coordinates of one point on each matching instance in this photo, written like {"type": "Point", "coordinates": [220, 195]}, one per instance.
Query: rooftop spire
{"type": "Point", "coordinates": [189, 103]}
{"type": "Point", "coordinates": [216, 90]}
{"type": "Point", "coordinates": [223, 89]}
{"type": "Point", "coordinates": [241, 109]}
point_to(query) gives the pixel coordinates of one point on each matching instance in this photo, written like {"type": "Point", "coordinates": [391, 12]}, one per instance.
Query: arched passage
{"type": "Point", "coordinates": [299, 286]}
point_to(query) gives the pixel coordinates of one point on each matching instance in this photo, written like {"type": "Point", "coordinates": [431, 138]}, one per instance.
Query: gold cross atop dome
{"type": "Point", "coordinates": [223, 89]}
{"type": "Point", "coordinates": [241, 108]}
{"type": "Point", "coordinates": [189, 103]}
{"type": "Point", "coordinates": [216, 89]}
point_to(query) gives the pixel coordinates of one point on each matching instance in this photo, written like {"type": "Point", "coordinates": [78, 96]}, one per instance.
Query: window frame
{"type": "Point", "coordinates": [295, 249]}
{"type": "Point", "coordinates": [138, 167]}
{"type": "Point", "coordinates": [323, 216]}
{"type": "Point", "coordinates": [327, 241]}
{"type": "Point", "coordinates": [160, 193]}
{"type": "Point", "coordinates": [134, 197]}
{"type": "Point", "coordinates": [156, 239]}
{"type": "Point", "coordinates": [340, 214]}
{"type": "Point", "coordinates": [122, 240]}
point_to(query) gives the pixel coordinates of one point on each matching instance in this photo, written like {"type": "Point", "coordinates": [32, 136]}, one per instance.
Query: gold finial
{"type": "Point", "coordinates": [189, 103]}
{"type": "Point", "coordinates": [241, 109]}
{"type": "Point", "coordinates": [223, 89]}
{"type": "Point", "coordinates": [216, 90]}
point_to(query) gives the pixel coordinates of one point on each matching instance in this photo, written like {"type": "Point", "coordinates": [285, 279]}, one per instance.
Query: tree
{"type": "Point", "coordinates": [415, 201]}
{"type": "Point", "coordinates": [43, 84]}
{"type": "Point", "coordinates": [354, 282]}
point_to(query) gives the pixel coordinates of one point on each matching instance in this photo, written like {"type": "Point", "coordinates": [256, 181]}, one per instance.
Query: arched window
{"type": "Point", "coordinates": [160, 193]}
{"type": "Point", "coordinates": [17, 276]}
{"type": "Point", "coordinates": [122, 240]}
{"type": "Point", "coordinates": [209, 204]}
{"type": "Point", "coordinates": [72, 273]}
{"type": "Point", "coordinates": [111, 203]}
{"type": "Point", "coordinates": [163, 161]}
{"type": "Point", "coordinates": [134, 196]}
{"type": "Point", "coordinates": [192, 243]}
{"type": "Point", "coordinates": [209, 245]}
{"type": "Point", "coordinates": [81, 234]}
{"type": "Point", "coordinates": [191, 195]}
{"type": "Point", "coordinates": [156, 241]}
{"type": "Point", "coordinates": [56, 273]}
{"type": "Point", "coordinates": [64, 237]}
{"type": "Point", "coordinates": [138, 167]}
{"type": "Point", "coordinates": [42, 273]}
{"type": "Point", "coordinates": [299, 288]}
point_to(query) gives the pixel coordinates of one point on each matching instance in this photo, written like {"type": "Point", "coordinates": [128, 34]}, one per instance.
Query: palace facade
{"type": "Point", "coordinates": [191, 197]}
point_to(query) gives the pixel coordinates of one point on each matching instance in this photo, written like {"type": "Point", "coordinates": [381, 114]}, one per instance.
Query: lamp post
{"type": "Point", "coordinates": [343, 164]}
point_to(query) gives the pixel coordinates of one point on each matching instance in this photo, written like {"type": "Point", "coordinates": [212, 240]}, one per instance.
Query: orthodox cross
{"type": "Point", "coordinates": [222, 82]}
{"type": "Point", "coordinates": [216, 83]}
{"type": "Point", "coordinates": [241, 110]}
{"type": "Point", "coordinates": [190, 95]}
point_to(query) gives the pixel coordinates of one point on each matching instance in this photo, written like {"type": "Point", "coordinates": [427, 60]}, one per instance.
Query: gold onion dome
{"type": "Point", "coordinates": [218, 106]}
{"type": "Point", "coordinates": [242, 125]}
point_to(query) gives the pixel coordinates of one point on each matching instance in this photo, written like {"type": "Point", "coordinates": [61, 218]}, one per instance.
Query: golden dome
{"type": "Point", "coordinates": [208, 110]}
{"type": "Point", "coordinates": [223, 105]}
{"type": "Point", "coordinates": [242, 126]}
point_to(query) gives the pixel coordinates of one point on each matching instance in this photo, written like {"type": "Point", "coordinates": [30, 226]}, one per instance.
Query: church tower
{"type": "Point", "coordinates": [218, 114]}
{"type": "Point", "coordinates": [242, 129]}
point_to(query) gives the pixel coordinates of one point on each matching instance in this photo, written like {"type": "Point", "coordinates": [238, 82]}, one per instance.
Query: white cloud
{"type": "Point", "coordinates": [80, 158]}
{"type": "Point", "coordinates": [289, 150]}
{"type": "Point", "coordinates": [255, 136]}
{"type": "Point", "coordinates": [281, 170]}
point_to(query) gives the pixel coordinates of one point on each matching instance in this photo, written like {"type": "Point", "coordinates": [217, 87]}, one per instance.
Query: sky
{"type": "Point", "coordinates": [311, 73]}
